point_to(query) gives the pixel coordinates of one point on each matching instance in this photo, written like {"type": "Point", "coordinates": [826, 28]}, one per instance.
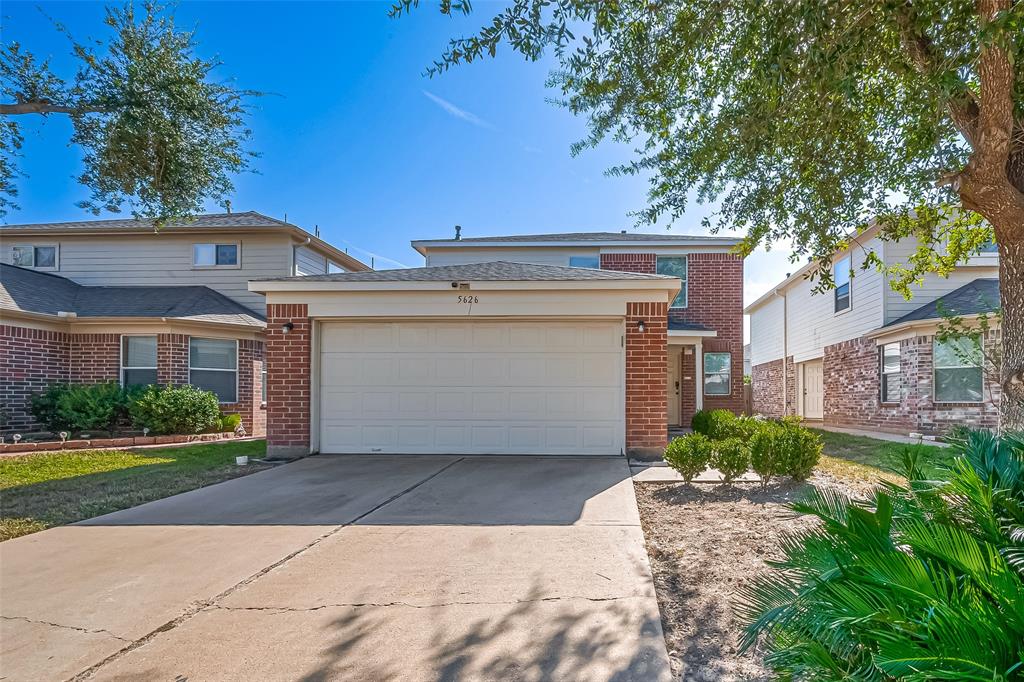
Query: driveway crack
{"type": "Point", "coordinates": [201, 605]}
{"type": "Point", "coordinates": [403, 604]}
{"type": "Point", "coordinates": [65, 627]}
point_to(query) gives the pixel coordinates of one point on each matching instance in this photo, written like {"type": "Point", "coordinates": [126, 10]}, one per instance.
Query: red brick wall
{"type": "Point", "coordinates": [94, 358]}
{"type": "Point", "coordinates": [249, 405]}
{"type": "Point", "coordinates": [646, 370]}
{"type": "Point", "coordinates": [767, 388]}
{"type": "Point", "coordinates": [852, 392]}
{"type": "Point", "coordinates": [30, 360]}
{"type": "Point", "coordinates": [629, 262]}
{"type": "Point", "coordinates": [172, 359]}
{"type": "Point", "coordinates": [288, 379]}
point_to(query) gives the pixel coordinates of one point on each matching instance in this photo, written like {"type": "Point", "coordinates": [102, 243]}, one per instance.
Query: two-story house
{"type": "Point", "coordinates": [863, 356]}
{"type": "Point", "coordinates": [117, 300]}
{"type": "Point", "coordinates": [578, 343]}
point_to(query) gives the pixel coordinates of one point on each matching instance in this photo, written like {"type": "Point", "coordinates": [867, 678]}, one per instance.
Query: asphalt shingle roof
{"type": "Point", "coordinates": [625, 236]}
{"type": "Point", "coordinates": [208, 220]}
{"type": "Point", "coordinates": [973, 298]}
{"type": "Point", "coordinates": [41, 292]}
{"type": "Point", "coordinates": [496, 271]}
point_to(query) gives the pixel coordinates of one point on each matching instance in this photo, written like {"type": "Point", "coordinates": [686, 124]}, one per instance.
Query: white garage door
{"type": "Point", "coordinates": [472, 387]}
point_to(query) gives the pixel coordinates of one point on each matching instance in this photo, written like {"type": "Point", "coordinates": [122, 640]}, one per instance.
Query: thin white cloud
{"type": "Point", "coordinates": [455, 111]}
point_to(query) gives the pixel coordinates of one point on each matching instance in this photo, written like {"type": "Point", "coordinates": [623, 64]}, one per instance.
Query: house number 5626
{"type": "Point", "coordinates": [469, 299]}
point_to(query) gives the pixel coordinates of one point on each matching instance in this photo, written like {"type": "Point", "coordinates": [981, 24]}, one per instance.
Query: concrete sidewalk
{"type": "Point", "coordinates": [377, 567]}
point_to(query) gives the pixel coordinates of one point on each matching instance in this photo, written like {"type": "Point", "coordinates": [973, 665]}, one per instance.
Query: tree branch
{"type": "Point", "coordinates": [995, 120]}
{"type": "Point", "coordinates": [46, 108]}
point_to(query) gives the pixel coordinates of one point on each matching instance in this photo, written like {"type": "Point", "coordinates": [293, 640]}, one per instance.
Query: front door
{"type": "Point", "coordinates": [672, 386]}
{"type": "Point", "coordinates": [813, 380]}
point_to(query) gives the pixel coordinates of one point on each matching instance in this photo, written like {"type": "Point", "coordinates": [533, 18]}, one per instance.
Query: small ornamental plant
{"type": "Point", "coordinates": [731, 458]}
{"type": "Point", "coordinates": [690, 455]}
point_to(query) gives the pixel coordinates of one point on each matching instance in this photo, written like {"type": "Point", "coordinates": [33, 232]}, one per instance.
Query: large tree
{"type": "Point", "coordinates": [805, 120]}
{"type": "Point", "coordinates": [159, 131]}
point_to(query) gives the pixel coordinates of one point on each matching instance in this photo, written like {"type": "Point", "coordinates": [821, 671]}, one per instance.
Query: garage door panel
{"type": "Point", "coordinates": [472, 387]}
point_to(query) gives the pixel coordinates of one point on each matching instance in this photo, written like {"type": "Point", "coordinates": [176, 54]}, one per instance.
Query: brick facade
{"type": "Point", "coordinates": [852, 390]}
{"type": "Point", "coordinates": [646, 369]}
{"type": "Point", "coordinates": [32, 359]}
{"type": "Point", "coordinates": [630, 262]}
{"type": "Point", "coordinates": [288, 379]}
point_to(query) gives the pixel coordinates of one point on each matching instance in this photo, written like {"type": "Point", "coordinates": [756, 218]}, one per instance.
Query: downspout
{"type": "Point", "coordinates": [785, 352]}
{"type": "Point", "coordinates": [295, 255]}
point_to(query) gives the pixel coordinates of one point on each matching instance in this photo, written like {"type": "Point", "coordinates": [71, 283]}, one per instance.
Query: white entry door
{"type": "Point", "coordinates": [813, 389]}
{"type": "Point", "coordinates": [473, 387]}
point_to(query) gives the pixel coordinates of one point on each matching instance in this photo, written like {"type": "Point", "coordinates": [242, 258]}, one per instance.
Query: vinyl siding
{"type": "Point", "coordinates": [166, 259]}
{"type": "Point", "coordinates": [766, 340]}
{"type": "Point", "coordinates": [309, 262]}
{"type": "Point", "coordinates": [933, 286]}
{"type": "Point", "coordinates": [812, 322]}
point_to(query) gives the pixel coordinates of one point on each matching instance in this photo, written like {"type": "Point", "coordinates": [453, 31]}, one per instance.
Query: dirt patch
{"type": "Point", "coordinates": [705, 542]}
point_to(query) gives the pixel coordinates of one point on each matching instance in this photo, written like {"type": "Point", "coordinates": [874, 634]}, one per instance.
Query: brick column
{"type": "Point", "coordinates": [288, 379]}
{"type": "Point", "coordinates": [172, 359]}
{"type": "Point", "coordinates": [249, 404]}
{"type": "Point", "coordinates": [30, 360]}
{"type": "Point", "coordinates": [646, 371]}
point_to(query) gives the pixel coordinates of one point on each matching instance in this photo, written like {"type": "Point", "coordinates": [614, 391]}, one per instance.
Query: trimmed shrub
{"type": "Point", "coordinates": [802, 451]}
{"type": "Point", "coordinates": [768, 456]}
{"type": "Point", "coordinates": [83, 407]}
{"type": "Point", "coordinates": [230, 422]}
{"type": "Point", "coordinates": [176, 410]}
{"type": "Point", "coordinates": [690, 455]}
{"type": "Point", "coordinates": [701, 422]}
{"type": "Point", "coordinates": [731, 458]}
{"type": "Point", "coordinates": [721, 424]}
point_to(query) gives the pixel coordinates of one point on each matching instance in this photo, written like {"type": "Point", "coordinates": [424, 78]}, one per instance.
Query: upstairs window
{"type": "Point", "coordinates": [717, 373]}
{"type": "Point", "coordinates": [41, 257]}
{"type": "Point", "coordinates": [841, 277]}
{"type": "Point", "coordinates": [958, 377]}
{"type": "Point", "coordinates": [892, 376]}
{"type": "Point", "coordinates": [674, 266]}
{"type": "Point", "coordinates": [593, 262]}
{"type": "Point", "coordinates": [215, 255]}
{"type": "Point", "coordinates": [138, 360]}
{"type": "Point", "coordinates": [213, 366]}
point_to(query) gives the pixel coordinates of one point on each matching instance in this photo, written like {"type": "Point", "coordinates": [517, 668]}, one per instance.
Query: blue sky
{"type": "Point", "coordinates": [355, 139]}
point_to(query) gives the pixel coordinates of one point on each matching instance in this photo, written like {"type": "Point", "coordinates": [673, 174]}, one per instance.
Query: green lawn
{"type": "Point", "coordinates": [44, 490]}
{"type": "Point", "coordinates": [863, 458]}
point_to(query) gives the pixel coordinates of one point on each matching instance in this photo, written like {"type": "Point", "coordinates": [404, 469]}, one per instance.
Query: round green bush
{"type": "Point", "coordinates": [83, 407]}
{"type": "Point", "coordinates": [803, 450]}
{"type": "Point", "coordinates": [701, 422]}
{"type": "Point", "coordinates": [176, 410]}
{"type": "Point", "coordinates": [690, 455]}
{"type": "Point", "coordinates": [731, 458]}
{"type": "Point", "coordinates": [768, 456]}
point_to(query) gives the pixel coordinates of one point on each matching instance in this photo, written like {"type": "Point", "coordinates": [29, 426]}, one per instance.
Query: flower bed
{"type": "Point", "coordinates": [93, 443]}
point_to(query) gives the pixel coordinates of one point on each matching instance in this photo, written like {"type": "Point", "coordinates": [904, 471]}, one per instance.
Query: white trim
{"type": "Point", "coordinates": [882, 374]}
{"type": "Point", "coordinates": [214, 369]}
{"type": "Point", "coordinates": [266, 286]}
{"type": "Point", "coordinates": [691, 333]}
{"type": "Point", "coordinates": [699, 363]}
{"type": "Point", "coordinates": [238, 255]}
{"type": "Point", "coordinates": [935, 383]}
{"type": "Point", "coordinates": [421, 245]}
{"type": "Point", "coordinates": [37, 245]}
{"type": "Point", "coordinates": [315, 396]}
{"type": "Point", "coordinates": [684, 287]}
{"type": "Point", "coordinates": [727, 374]}
{"type": "Point", "coordinates": [121, 366]}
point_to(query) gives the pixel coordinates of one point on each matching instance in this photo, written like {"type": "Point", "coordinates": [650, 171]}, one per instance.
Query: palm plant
{"type": "Point", "coordinates": [923, 581]}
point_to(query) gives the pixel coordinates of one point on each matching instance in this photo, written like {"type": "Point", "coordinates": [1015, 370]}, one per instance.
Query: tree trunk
{"type": "Point", "coordinates": [1011, 293]}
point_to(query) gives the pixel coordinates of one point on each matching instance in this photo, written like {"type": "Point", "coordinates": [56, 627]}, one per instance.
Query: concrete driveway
{"type": "Point", "coordinates": [347, 567]}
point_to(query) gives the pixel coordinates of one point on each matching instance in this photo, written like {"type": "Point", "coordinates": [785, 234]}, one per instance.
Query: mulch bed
{"type": "Point", "coordinates": [705, 542]}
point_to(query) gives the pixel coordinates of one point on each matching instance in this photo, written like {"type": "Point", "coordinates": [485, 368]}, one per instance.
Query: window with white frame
{"type": "Point", "coordinates": [958, 374]}
{"type": "Point", "coordinates": [841, 278]}
{"type": "Point", "coordinates": [676, 267]}
{"type": "Point", "coordinates": [717, 373]}
{"type": "Point", "coordinates": [263, 378]}
{"type": "Point", "coordinates": [585, 262]}
{"type": "Point", "coordinates": [892, 375]}
{"type": "Point", "coordinates": [215, 255]}
{"type": "Point", "coordinates": [213, 366]}
{"type": "Point", "coordinates": [38, 256]}
{"type": "Point", "coordinates": [138, 360]}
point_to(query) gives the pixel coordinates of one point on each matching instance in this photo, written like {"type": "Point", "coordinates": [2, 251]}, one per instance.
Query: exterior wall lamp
{"type": "Point", "coordinates": [287, 327]}
{"type": "Point", "coordinates": [640, 326]}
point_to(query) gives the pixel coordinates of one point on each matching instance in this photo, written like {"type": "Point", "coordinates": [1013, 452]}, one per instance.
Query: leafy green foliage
{"type": "Point", "coordinates": [229, 422]}
{"type": "Point", "coordinates": [82, 407]}
{"type": "Point", "coordinates": [690, 454]}
{"type": "Point", "coordinates": [768, 453]}
{"type": "Point", "coordinates": [701, 422]}
{"type": "Point", "coordinates": [158, 130]}
{"type": "Point", "coordinates": [731, 458]}
{"type": "Point", "coordinates": [801, 450]}
{"type": "Point", "coordinates": [176, 410]}
{"type": "Point", "coordinates": [923, 581]}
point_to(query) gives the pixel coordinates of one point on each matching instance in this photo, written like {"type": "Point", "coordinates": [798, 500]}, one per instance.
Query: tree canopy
{"type": "Point", "coordinates": [803, 119]}
{"type": "Point", "coordinates": [160, 133]}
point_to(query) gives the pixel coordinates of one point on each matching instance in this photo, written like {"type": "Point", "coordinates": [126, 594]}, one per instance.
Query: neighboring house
{"type": "Point", "coordinates": [579, 343]}
{"type": "Point", "coordinates": [115, 300]}
{"type": "Point", "coordinates": [862, 356]}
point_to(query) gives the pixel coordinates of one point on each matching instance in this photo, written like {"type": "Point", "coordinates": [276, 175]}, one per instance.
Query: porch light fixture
{"type": "Point", "coordinates": [287, 327]}
{"type": "Point", "coordinates": [640, 326]}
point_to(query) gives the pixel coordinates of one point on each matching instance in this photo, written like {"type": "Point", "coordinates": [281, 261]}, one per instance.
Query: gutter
{"type": "Point", "coordinates": [785, 352]}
